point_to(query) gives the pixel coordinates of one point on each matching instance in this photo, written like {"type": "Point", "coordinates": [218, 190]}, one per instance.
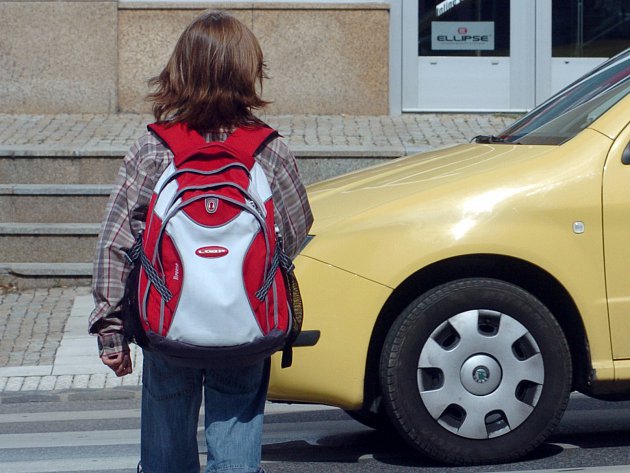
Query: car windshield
{"type": "Point", "coordinates": [574, 108]}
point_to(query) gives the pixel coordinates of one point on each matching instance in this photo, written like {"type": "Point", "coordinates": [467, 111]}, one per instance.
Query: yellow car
{"type": "Point", "coordinates": [460, 295]}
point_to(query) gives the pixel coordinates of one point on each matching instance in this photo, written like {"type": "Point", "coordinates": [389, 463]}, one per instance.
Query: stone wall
{"type": "Point", "coordinates": [95, 56]}
{"type": "Point", "coordinates": [58, 56]}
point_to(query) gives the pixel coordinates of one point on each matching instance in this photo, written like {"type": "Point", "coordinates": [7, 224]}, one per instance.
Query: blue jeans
{"type": "Point", "coordinates": [234, 405]}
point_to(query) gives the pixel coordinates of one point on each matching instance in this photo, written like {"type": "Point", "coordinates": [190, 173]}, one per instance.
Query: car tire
{"type": "Point", "coordinates": [475, 371]}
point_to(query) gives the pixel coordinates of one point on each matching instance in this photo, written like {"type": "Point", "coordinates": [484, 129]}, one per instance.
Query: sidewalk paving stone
{"type": "Point", "coordinates": [33, 135]}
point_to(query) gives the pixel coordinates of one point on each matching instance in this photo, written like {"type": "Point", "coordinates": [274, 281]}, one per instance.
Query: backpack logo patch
{"type": "Point", "coordinates": [211, 251]}
{"type": "Point", "coordinates": [212, 204]}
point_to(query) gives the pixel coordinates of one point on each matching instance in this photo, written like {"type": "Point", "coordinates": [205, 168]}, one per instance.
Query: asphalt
{"type": "Point", "coordinates": [44, 345]}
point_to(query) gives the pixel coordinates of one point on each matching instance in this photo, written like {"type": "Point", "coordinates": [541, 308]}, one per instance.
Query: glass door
{"type": "Point", "coordinates": [463, 54]}
{"type": "Point", "coordinates": [503, 55]}
{"type": "Point", "coordinates": [584, 34]}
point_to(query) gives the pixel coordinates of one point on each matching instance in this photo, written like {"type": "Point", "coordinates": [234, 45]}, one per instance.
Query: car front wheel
{"type": "Point", "coordinates": [475, 371]}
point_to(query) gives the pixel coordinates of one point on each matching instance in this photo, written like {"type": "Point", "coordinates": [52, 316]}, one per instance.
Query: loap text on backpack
{"type": "Point", "coordinates": [209, 281]}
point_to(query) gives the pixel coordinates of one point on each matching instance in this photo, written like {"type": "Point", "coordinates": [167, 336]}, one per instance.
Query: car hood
{"type": "Point", "coordinates": [341, 199]}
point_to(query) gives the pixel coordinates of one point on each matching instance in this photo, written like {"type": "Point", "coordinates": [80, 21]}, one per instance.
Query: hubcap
{"type": "Point", "coordinates": [480, 374]}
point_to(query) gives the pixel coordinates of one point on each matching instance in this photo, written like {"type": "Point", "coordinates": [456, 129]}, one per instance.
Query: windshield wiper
{"type": "Point", "coordinates": [487, 139]}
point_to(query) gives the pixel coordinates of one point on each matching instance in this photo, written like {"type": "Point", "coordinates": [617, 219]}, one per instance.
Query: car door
{"type": "Point", "coordinates": [616, 215]}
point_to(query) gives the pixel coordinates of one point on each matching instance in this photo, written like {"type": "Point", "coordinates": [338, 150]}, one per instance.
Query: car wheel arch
{"type": "Point", "coordinates": [527, 276]}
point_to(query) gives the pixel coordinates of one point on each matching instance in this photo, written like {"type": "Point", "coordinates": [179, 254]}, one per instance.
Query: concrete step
{"type": "Point", "coordinates": [69, 169]}
{"type": "Point", "coordinates": [46, 269]}
{"type": "Point", "coordinates": [33, 275]}
{"type": "Point", "coordinates": [48, 242]}
{"type": "Point", "coordinates": [53, 203]}
{"type": "Point", "coordinates": [94, 167]}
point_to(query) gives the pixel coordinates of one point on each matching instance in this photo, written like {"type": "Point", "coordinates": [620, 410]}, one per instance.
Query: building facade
{"type": "Point", "coordinates": [362, 57]}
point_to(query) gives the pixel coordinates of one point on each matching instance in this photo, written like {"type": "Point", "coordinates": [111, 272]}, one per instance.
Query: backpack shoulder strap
{"type": "Point", "coordinates": [180, 139]}
{"type": "Point", "coordinates": [249, 139]}
{"type": "Point", "coordinates": [184, 141]}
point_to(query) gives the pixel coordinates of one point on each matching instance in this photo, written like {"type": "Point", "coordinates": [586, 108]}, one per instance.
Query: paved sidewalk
{"type": "Point", "coordinates": [44, 344]}
{"type": "Point", "coordinates": [320, 135]}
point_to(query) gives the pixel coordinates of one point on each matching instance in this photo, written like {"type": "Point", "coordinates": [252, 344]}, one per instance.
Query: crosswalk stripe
{"type": "Point", "coordinates": [70, 439]}
{"type": "Point", "coordinates": [274, 433]}
{"type": "Point", "coordinates": [72, 464]}
{"type": "Point", "coordinates": [133, 414]}
{"type": "Point", "coordinates": [586, 469]}
{"type": "Point", "coordinates": [68, 416]}
{"type": "Point", "coordinates": [129, 462]}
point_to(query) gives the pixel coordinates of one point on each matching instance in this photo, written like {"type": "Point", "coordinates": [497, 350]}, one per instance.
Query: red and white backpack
{"type": "Point", "coordinates": [209, 287]}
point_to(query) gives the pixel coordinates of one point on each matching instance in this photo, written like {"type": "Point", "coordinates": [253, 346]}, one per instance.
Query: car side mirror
{"type": "Point", "coordinates": [625, 157]}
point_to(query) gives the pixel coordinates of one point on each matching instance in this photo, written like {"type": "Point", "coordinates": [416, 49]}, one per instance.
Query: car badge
{"type": "Point", "coordinates": [212, 204]}
{"type": "Point", "coordinates": [481, 374]}
{"type": "Point", "coordinates": [211, 251]}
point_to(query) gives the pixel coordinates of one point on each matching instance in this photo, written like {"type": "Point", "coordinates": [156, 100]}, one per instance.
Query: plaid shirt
{"type": "Point", "coordinates": [126, 214]}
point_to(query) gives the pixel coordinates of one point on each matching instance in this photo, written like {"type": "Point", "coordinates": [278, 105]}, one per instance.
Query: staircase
{"type": "Point", "coordinates": [51, 208]}
{"type": "Point", "coordinates": [50, 213]}
{"type": "Point", "coordinates": [56, 174]}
